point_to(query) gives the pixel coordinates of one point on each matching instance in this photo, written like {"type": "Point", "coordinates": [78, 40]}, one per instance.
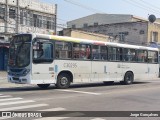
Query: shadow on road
{"type": "Point", "coordinates": [73, 86]}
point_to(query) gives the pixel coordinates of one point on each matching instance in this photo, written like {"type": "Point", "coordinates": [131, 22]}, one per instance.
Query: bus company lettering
{"type": "Point", "coordinates": [70, 65]}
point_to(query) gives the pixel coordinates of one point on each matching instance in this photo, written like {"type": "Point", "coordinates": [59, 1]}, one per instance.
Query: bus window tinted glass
{"type": "Point", "coordinates": [63, 50]}
{"type": "Point", "coordinates": [152, 57]}
{"type": "Point", "coordinates": [103, 53]}
{"type": "Point", "coordinates": [42, 52]}
{"type": "Point", "coordinates": [129, 54]}
{"type": "Point", "coordinates": [81, 51]}
{"type": "Point", "coordinates": [141, 56]}
{"type": "Point", "coordinates": [96, 52]}
{"type": "Point", "coordinates": [112, 53]}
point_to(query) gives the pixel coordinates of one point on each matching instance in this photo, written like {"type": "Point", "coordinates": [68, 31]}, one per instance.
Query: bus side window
{"type": "Point", "coordinates": [103, 52]}
{"type": "Point", "coordinates": [96, 52]}
{"type": "Point", "coordinates": [63, 50]}
{"type": "Point", "coordinates": [81, 51]}
{"type": "Point", "coordinates": [152, 57]}
{"type": "Point", "coordinates": [112, 53]}
{"type": "Point", "coordinates": [142, 56]}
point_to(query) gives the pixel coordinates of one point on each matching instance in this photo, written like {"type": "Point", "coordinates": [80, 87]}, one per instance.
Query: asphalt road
{"type": "Point", "coordinates": [140, 96]}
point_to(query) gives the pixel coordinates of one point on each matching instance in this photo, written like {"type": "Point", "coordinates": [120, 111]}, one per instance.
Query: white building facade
{"type": "Point", "coordinates": [26, 16]}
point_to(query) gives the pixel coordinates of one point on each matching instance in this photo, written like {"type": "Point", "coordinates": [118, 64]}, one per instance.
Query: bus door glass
{"type": "Point", "coordinates": [42, 60]}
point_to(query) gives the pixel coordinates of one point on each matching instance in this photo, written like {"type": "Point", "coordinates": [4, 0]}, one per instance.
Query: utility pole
{"type": "Point", "coordinates": [17, 18]}
{"type": "Point", "coordinates": [6, 17]}
{"type": "Point", "coordinates": [55, 25]}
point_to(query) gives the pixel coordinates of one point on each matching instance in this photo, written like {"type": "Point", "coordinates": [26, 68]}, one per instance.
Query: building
{"type": "Point", "coordinates": [87, 35]}
{"type": "Point", "coordinates": [101, 19]}
{"type": "Point", "coordinates": [24, 16]}
{"type": "Point", "coordinates": [127, 28]}
{"type": "Point", "coordinates": [3, 55]}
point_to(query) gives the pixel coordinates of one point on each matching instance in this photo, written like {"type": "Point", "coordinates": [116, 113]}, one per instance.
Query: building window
{"type": "Point", "coordinates": [73, 26]}
{"type": "Point", "coordinates": [110, 34]}
{"type": "Point", "coordinates": [96, 24]}
{"type": "Point", "coordinates": [2, 12]}
{"type": "Point", "coordinates": [34, 20]}
{"type": "Point", "coordinates": [141, 32]}
{"type": "Point", "coordinates": [21, 17]}
{"type": "Point", "coordinates": [85, 25]}
{"type": "Point", "coordinates": [121, 37]}
{"type": "Point", "coordinates": [154, 36]}
{"type": "Point", "coordinates": [12, 13]}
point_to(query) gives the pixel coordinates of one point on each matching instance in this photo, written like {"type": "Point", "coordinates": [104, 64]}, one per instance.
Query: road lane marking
{"type": "Point", "coordinates": [130, 90]}
{"type": "Point", "coordinates": [16, 102]}
{"type": "Point", "coordinates": [23, 107]}
{"type": "Point", "coordinates": [54, 109]}
{"type": "Point", "coordinates": [83, 92]}
{"type": "Point", "coordinates": [4, 96]}
{"type": "Point", "coordinates": [8, 99]}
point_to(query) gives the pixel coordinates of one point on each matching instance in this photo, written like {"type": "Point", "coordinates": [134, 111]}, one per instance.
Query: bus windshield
{"type": "Point", "coordinates": [19, 55]}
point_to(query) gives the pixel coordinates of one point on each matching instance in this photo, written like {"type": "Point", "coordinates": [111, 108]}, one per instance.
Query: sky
{"type": "Point", "coordinates": [73, 9]}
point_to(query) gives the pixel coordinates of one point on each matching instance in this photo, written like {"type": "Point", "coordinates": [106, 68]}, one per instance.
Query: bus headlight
{"type": "Point", "coordinates": [26, 71]}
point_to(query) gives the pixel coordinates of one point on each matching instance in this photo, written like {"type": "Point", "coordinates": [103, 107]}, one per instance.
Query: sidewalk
{"type": "Point", "coordinates": [3, 75]}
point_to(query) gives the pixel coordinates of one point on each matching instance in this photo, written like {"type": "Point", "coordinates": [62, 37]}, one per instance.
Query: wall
{"type": "Point", "coordinates": [87, 35]}
{"type": "Point", "coordinates": [153, 27]}
{"type": "Point", "coordinates": [32, 13]}
{"type": "Point", "coordinates": [131, 29]}
{"type": "Point", "coordinates": [100, 18]}
{"type": "Point", "coordinates": [3, 58]}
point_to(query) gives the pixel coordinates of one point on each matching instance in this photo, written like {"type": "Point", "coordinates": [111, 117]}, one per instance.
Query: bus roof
{"type": "Point", "coordinates": [86, 41]}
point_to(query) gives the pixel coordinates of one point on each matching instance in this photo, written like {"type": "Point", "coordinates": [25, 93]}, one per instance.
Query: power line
{"type": "Point", "coordinates": [141, 6]}
{"type": "Point", "coordinates": [83, 6]}
{"type": "Point", "coordinates": [150, 4]}
{"type": "Point", "coordinates": [141, 2]}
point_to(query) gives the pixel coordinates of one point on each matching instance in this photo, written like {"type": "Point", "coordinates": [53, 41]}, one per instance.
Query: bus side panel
{"type": "Point", "coordinates": [139, 70]}
{"type": "Point", "coordinates": [81, 70]}
{"type": "Point", "coordinates": [153, 71]}
{"type": "Point", "coordinates": [43, 73]}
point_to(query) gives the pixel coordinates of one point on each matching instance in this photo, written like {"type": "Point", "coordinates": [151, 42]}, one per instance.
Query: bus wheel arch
{"type": "Point", "coordinates": [64, 79]}
{"type": "Point", "coordinates": [128, 78]}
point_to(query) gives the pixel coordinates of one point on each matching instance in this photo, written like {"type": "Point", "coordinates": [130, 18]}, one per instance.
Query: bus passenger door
{"type": "Point", "coordinates": [153, 66]}
{"type": "Point", "coordinates": [42, 67]}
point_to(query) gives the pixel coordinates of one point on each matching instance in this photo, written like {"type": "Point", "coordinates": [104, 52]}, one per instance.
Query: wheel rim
{"type": "Point", "coordinates": [129, 78]}
{"type": "Point", "coordinates": [64, 81]}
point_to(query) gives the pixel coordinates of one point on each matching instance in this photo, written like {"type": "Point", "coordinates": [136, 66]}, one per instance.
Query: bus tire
{"type": "Point", "coordinates": [128, 78]}
{"type": "Point", "coordinates": [43, 86]}
{"type": "Point", "coordinates": [63, 81]}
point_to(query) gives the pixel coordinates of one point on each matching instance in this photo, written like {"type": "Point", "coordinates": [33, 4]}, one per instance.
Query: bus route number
{"type": "Point", "coordinates": [70, 65]}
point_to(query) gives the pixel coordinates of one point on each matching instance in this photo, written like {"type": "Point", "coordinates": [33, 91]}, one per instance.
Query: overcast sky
{"type": "Point", "coordinates": [73, 9]}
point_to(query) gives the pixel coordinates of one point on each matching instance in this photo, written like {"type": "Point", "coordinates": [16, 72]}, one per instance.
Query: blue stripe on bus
{"type": "Point", "coordinates": [56, 68]}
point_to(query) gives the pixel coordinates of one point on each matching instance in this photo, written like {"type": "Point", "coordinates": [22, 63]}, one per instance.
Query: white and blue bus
{"type": "Point", "coordinates": [48, 59]}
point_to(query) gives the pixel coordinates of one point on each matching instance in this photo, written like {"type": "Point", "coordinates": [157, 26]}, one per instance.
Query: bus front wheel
{"type": "Point", "coordinates": [63, 81]}
{"type": "Point", "coordinates": [128, 78]}
{"type": "Point", "coordinates": [43, 86]}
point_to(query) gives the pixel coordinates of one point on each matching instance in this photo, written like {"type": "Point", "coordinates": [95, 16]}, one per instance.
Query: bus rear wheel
{"type": "Point", "coordinates": [128, 78]}
{"type": "Point", "coordinates": [63, 81]}
{"type": "Point", "coordinates": [43, 86]}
